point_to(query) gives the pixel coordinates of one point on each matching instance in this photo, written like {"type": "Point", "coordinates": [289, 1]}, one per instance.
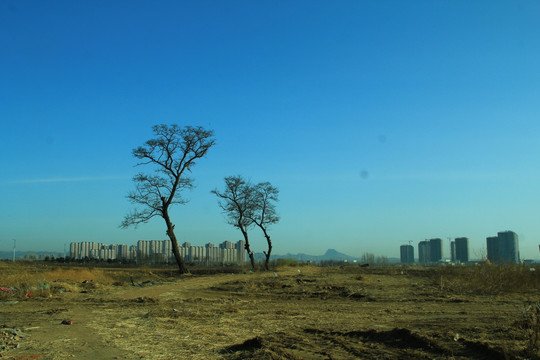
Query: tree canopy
{"type": "Point", "coordinates": [172, 153]}
{"type": "Point", "coordinates": [246, 205]}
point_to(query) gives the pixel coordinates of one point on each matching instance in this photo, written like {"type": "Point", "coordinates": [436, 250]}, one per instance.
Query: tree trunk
{"type": "Point", "coordinates": [267, 254]}
{"type": "Point", "coordinates": [175, 249]}
{"type": "Point", "coordinates": [246, 246]}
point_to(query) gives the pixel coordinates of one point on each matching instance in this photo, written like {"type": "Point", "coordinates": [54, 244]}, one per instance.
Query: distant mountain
{"type": "Point", "coordinates": [330, 254]}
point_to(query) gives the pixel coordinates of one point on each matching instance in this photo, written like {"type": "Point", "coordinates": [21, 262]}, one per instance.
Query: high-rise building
{"type": "Point", "coordinates": [226, 245]}
{"type": "Point", "coordinates": [508, 247]}
{"type": "Point", "coordinates": [492, 243]}
{"type": "Point", "coordinates": [406, 254]}
{"type": "Point", "coordinates": [132, 252]}
{"type": "Point", "coordinates": [241, 252]}
{"type": "Point", "coordinates": [212, 253]}
{"type": "Point", "coordinates": [85, 249]}
{"type": "Point", "coordinates": [73, 247]}
{"type": "Point", "coordinates": [462, 249]}
{"type": "Point", "coordinates": [435, 250]}
{"type": "Point", "coordinates": [423, 252]}
{"type": "Point", "coordinates": [452, 251]}
{"type": "Point", "coordinates": [503, 248]}
{"type": "Point", "coordinates": [197, 254]}
{"type": "Point", "coordinates": [123, 251]}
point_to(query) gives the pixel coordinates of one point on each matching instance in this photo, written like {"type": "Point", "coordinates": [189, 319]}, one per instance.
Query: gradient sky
{"type": "Point", "coordinates": [381, 122]}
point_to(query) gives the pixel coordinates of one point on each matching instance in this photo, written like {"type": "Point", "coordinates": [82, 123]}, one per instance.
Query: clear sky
{"type": "Point", "coordinates": [381, 122]}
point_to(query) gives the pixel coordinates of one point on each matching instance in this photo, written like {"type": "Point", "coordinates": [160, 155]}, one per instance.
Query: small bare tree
{"type": "Point", "coordinates": [172, 152]}
{"type": "Point", "coordinates": [263, 212]}
{"type": "Point", "coordinates": [368, 258]}
{"type": "Point", "coordinates": [236, 202]}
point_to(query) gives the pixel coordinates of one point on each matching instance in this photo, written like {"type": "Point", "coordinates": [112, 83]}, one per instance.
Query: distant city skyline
{"type": "Point", "coordinates": [458, 252]}
{"type": "Point", "coordinates": [379, 122]}
{"type": "Point", "coordinates": [500, 249]}
{"type": "Point", "coordinates": [226, 252]}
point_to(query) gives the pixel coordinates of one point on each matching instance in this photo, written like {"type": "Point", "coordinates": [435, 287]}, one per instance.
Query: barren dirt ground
{"type": "Point", "coordinates": [293, 313]}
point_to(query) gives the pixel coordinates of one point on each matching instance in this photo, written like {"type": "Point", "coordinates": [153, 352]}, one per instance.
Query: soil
{"type": "Point", "coordinates": [293, 313]}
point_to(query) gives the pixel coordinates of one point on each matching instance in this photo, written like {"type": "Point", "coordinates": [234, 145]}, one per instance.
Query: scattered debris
{"type": "Point", "coordinates": [9, 338]}
{"type": "Point", "coordinates": [44, 286]}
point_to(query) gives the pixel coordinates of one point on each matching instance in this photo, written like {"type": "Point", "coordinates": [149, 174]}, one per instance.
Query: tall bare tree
{"type": "Point", "coordinates": [172, 154]}
{"type": "Point", "coordinates": [263, 212]}
{"type": "Point", "coordinates": [236, 202]}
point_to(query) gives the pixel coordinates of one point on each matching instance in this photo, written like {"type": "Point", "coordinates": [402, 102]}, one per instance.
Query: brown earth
{"type": "Point", "coordinates": [293, 313]}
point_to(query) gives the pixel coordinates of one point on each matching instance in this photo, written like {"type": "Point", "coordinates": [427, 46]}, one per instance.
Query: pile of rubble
{"type": "Point", "coordinates": [9, 338]}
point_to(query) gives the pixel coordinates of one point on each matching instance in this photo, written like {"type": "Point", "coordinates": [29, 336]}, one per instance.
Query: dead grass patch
{"type": "Point", "coordinates": [488, 279]}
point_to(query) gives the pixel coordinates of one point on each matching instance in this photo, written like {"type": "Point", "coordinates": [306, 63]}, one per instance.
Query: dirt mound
{"type": "Point", "coordinates": [397, 343]}
{"type": "Point", "coordinates": [269, 347]}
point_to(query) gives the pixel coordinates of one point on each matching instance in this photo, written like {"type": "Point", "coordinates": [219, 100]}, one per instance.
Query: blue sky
{"type": "Point", "coordinates": [381, 122]}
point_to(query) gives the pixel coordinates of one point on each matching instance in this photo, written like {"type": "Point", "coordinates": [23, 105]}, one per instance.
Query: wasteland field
{"type": "Point", "coordinates": [292, 312]}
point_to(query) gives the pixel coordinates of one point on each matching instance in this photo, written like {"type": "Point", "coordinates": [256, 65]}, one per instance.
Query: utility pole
{"type": "Point", "coordinates": [14, 243]}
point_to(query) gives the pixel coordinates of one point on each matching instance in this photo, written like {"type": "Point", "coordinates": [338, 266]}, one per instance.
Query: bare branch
{"type": "Point", "coordinates": [264, 209]}
{"type": "Point", "coordinates": [236, 202]}
{"type": "Point", "coordinates": [135, 217]}
{"type": "Point", "coordinates": [170, 154]}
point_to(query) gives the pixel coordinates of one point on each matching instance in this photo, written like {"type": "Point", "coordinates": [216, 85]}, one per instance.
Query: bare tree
{"type": "Point", "coordinates": [263, 212]}
{"type": "Point", "coordinates": [236, 202]}
{"type": "Point", "coordinates": [172, 153]}
{"type": "Point", "coordinates": [368, 258]}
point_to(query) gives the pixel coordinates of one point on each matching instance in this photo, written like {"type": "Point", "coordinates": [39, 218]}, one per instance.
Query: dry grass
{"type": "Point", "coordinates": [489, 279]}
{"type": "Point", "coordinates": [41, 280]}
{"type": "Point", "coordinates": [45, 280]}
{"type": "Point", "coordinates": [301, 312]}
